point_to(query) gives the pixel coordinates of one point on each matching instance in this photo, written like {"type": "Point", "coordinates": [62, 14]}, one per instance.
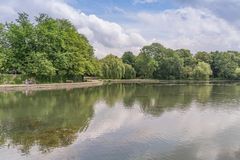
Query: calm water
{"type": "Point", "coordinates": [122, 122]}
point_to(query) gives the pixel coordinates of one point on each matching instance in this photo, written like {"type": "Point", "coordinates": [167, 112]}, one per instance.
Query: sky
{"type": "Point", "coordinates": [115, 26]}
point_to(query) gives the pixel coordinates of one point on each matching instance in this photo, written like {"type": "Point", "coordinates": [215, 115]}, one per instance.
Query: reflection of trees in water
{"type": "Point", "coordinates": [51, 119]}
{"type": "Point", "coordinates": [226, 93]}
{"type": "Point", "coordinates": [48, 119]}
{"type": "Point", "coordinates": [155, 99]}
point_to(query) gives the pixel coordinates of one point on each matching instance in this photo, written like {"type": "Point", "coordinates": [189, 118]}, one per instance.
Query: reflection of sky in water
{"type": "Point", "coordinates": [116, 132]}
{"type": "Point", "coordinates": [119, 133]}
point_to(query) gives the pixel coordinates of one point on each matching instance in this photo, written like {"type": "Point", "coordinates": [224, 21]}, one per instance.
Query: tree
{"type": "Point", "coordinates": [21, 39]}
{"type": "Point", "coordinates": [145, 65]}
{"type": "Point", "coordinates": [237, 73]}
{"type": "Point", "coordinates": [203, 57]}
{"type": "Point", "coordinates": [1, 60]}
{"type": "Point", "coordinates": [166, 64]}
{"type": "Point", "coordinates": [170, 65]}
{"type": "Point", "coordinates": [45, 48]}
{"type": "Point", "coordinates": [112, 67]}
{"type": "Point", "coordinates": [129, 58]}
{"type": "Point", "coordinates": [38, 65]}
{"type": "Point", "coordinates": [130, 73]}
{"type": "Point", "coordinates": [69, 51]}
{"type": "Point", "coordinates": [187, 72]}
{"type": "Point", "coordinates": [202, 71]}
{"type": "Point", "coordinates": [236, 56]}
{"type": "Point", "coordinates": [223, 65]}
{"type": "Point", "coordinates": [153, 49]}
{"type": "Point", "coordinates": [1, 46]}
{"type": "Point", "coordinates": [188, 59]}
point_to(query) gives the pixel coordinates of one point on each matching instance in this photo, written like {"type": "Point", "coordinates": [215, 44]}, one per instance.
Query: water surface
{"type": "Point", "coordinates": [122, 122]}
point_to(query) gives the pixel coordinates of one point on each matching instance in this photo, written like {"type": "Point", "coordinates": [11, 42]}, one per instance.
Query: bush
{"type": "Point", "coordinates": [11, 79]}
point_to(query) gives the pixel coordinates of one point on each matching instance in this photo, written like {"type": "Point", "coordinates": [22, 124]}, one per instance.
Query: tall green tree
{"type": "Point", "coordinates": [167, 63]}
{"type": "Point", "coordinates": [130, 72]}
{"type": "Point", "coordinates": [129, 58]}
{"type": "Point", "coordinates": [203, 57]}
{"type": "Point", "coordinates": [39, 66]}
{"type": "Point", "coordinates": [69, 51]}
{"type": "Point", "coordinates": [223, 65]}
{"type": "Point", "coordinates": [188, 59]}
{"type": "Point", "coordinates": [112, 67]}
{"type": "Point", "coordinates": [21, 38]}
{"type": "Point", "coordinates": [145, 65]}
{"type": "Point", "coordinates": [47, 47]}
{"type": "Point", "coordinates": [170, 65]}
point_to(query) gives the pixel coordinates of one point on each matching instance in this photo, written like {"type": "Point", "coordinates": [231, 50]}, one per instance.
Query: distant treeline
{"type": "Point", "coordinates": [156, 61]}
{"type": "Point", "coordinates": [52, 50]}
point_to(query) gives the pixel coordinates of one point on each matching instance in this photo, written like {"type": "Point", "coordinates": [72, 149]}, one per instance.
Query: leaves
{"type": "Point", "coordinates": [112, 67]}
{"type": "Point", "coordinates": [202, 71]}
{"type": "Point", "coordinates": [45, 48]}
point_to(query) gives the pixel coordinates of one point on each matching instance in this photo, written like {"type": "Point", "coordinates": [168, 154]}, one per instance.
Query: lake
{"type": "Point", "coordinates": [122, 122]}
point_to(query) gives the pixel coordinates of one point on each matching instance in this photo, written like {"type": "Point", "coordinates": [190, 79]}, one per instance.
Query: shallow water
{"type": "Point", "coordinates": [122, 122]}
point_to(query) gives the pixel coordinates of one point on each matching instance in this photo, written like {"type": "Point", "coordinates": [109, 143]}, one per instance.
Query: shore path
{"type": "Point", "coordinates": [52, 86]}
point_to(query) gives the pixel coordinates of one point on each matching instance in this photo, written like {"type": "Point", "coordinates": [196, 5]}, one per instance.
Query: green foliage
{"type": "Point", "coordinates": [237, 73]}
{"type": "Point", "coordinates": [236, 57]}
{"type": "Point", "coordinates": [112, 67]}
{"type": "Point", "coordinates": [188, 59]}
{"type": "Point", "coordinates": [170, 65]}
{"type": "Point", "coordinates": [11, 79]}
{"type": "Point", "coordinates": [129, 58]}
{"type": "Point", "coordinates": [52, 50]}
{"type": "Point", "coordinates": [202, 71]}
{"type": "Point", "coordinates": [203, 57]}
{"type": "Point", "coordinates": [187, 72]}
{"type": "Point", "coordinates": [223, 65]}
{"type": "Point", "coordinates": [39, 65]}
{"type": "Point", "coordinates": [145, 65]}
{"type": "Point", "coordinates": [130, 72]}
{"type": "Point", "coordinates": [153, 49]}
{"type": "Point", "coordinates": [159, 62]}
{"type": "Point", "coordinates": [1, 59]}
{"type": "Point", "coordinates": [45, 48]}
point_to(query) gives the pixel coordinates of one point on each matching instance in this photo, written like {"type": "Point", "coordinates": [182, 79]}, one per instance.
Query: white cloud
{"type": "Point", "coordinates": [109, 121]}
{"type": "Point", "coordinates": [106, 37]}
{"type": "Point", "coordinates": [226, 9]}
{"type": "Point", "coordinates": [189, 28]}
{"type": "Point", "coordinates": [195, 29]}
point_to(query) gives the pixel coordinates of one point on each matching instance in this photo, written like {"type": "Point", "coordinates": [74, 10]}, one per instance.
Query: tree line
{"type": "Point", "coordinates": [51, 50]}
{"type": "Point", "coordinates": [158, 62]}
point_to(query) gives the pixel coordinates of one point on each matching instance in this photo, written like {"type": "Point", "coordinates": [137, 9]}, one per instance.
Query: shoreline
{"type": "Point", "coordinates": [169, 82]}
{"type": "Point", "coordinates": [96, 83]}
{"type": "Point", "coordinates": [51, 86]}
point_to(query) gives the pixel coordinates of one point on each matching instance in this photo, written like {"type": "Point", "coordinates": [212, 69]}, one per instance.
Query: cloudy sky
{"type": "Point", "coordinates": [115, 26]}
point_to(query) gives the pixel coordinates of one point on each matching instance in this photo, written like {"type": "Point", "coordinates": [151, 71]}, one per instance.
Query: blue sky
{"type": "Point", "coordinates": [115, 26]}
{"type": "Point", "coordinates": [117, 11]}
{"type": "Point", "coordinates": [103, 8]}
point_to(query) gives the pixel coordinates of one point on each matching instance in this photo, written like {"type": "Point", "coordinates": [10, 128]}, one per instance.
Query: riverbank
{"type": "Point", "coordinates": [96, 83]}
{"type": "Point", "coordinates": [52, 86]}
{"type": "Point", "coordinates": [152, 81]}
